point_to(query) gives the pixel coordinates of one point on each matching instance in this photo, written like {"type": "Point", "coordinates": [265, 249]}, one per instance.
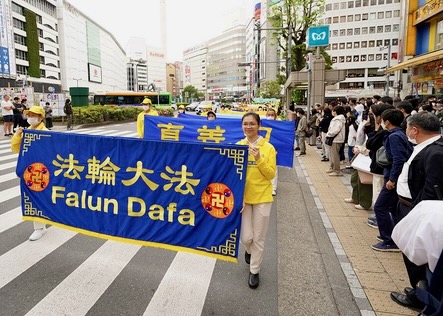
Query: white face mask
{"type": "Point", "coordinates": [270, 118]}
{"type": "Point", "coordinates": [181, 111]}
{"type": "Point", "coordinates": [412, 140]}
{"type": "Point", "coordinates": [33, 121]}
{"type": "Point", "coordinates": [146, 107]}
{"type": "Point", "coordinates": [383, 126]}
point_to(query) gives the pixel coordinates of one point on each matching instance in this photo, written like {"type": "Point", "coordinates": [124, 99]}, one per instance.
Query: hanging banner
{"type": "Point", "coordinates": [178, 196]}
{"type": "Point", "coordinates": [191, 128]}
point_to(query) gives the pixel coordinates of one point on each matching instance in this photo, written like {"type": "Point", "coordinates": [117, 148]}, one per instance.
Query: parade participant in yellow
{"type": "Point", "coordinates": [258, 195]}
{"type": "Point", "coordinates": [181, 110]}
{"type": "Point", "coordinates": [35, 119]}
{"type": "Point", "coordinates": [147, 110]}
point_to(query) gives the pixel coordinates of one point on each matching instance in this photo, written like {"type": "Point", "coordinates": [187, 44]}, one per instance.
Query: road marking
{"type": "Point", "coordinates": [9, 193]}
{"type": "Point", "coordinates": [10, 219]}
{"type": "Point", "coordinates": [186, 281]}
{"type": "Point", "coordinates": [8, 165]}
{"type": "Point", "coordinates": [17, 260]}
{"type": "Point", "coordinates": [3, 158]}
{"type": "Point", "coordinates": [88, 282]}
{"type": "Point", "coordinates": [8, 176]}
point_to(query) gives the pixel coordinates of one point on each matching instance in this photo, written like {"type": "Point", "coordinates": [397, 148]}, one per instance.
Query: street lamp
{"type": "Point", "coordinates": [388, 47]}
{"type": "Point", "coordinates": [76, 80]}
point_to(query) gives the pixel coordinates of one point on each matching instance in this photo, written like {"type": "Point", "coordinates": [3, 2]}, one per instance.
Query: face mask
{"type": "Point", "coordinates": [383, 126]}
{"type": "Point", "coordinates": [412, 140]}
{"type": "Point", "coordinates": [145, 107]}
{"type": "Point", "coordinates": [33, 120]}
{"type": "Point", "coordinates": [270, 118]}
{"type": "Point", "coordinates": [181, 111]}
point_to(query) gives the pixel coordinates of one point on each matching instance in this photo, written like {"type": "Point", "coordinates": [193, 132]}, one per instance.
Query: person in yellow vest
{"type": "Point", "coordinates": [257, 202]}
{"type": "Point", "coordinates": [35, 120]}
{"type": "Point", "coordinates": [147, 110]}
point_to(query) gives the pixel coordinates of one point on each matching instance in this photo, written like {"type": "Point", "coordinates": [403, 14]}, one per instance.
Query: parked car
{"type": "Point", "coordinates": [192, 106]}
{"type": "Point", "coordinates": [204, 106]}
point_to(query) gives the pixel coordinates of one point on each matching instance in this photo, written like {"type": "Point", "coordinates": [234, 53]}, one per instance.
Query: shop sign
{"type": "Point", "coordinates": [430, 9]}
{"type": "Point", "coordinates": [428, 70]}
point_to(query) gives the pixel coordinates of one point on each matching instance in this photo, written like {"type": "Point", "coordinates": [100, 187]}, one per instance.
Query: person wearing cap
{"type": "Point", "coordinates": [211, 116]}
{"type": "Point", "coordinates": [35, 119]}
{"type": "Point", "coordinates": [181, 110]}
{"type": "Point", "coordinates": [147, 110]}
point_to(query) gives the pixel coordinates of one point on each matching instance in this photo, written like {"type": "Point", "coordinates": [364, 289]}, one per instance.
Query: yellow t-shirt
{"type": "Point", "coordinates": [259, 174]}
{"type": "Point", "coordinates": [141, 122]}
{"type": "Point", "coordinates": [17, 140]}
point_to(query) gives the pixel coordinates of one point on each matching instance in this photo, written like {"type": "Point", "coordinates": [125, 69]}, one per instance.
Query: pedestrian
{"type": "Point", "coordinates": [35, 119]}
{"type": "Point", "coordinates": [271, 114]}
{"type": "Point", "coordinates": [323, 127]}
{"type": "Point", "coordinates": [421, 179]}
{"type": "Point", "coordinates": [147, 110]}
{"type": "Point", "coordinates": [17, 113]}
{"type": "Point", "coordinates": [69, 113]}
{"type": "Point", "coordinates": [337, 130]}
{"type": "Point", "coordinates": [24, 106]}
{"type": "Point", "coordinates": [257, 196]}
{"type": "Point", "coordinates": [302, 125]}
{"type": "Point", "coordinates": [211, 116]}
{"type": "Point", "coordinates": [8, 115]}
{"type": "Point", "coordinates": [398, 149]}
{"type": "Point", "coordinates": [48, 115]}
{"type": "Point", "coordinates": [406, 108]}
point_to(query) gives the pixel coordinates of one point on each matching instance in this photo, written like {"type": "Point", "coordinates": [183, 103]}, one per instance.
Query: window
{"type": "Point", "coordinates": [371, 57]}
{"type": "Point", "coordinates": [349, 45]}
{"type": "Point", "coordinates": [19, 24]}
{"type": "Point", "coordinates": [395, 28]}
{"type": "Point", "coordinates": [350, 18]}
{"type": "Point", "coordinates": [356, 44]}
{"type": "Point", "coordinates": [336, 6]}
{"type": "Point", "coordinates": [364, 17]}
{"type": "Point", "coordinates": [350, 4]}
{"type": "Point", "coordinates": [373, 2]}
{"type": "Point", "coordinates": [438, 35]}
{"type": "Point", "coordinates": [364, 44]}
{"type": "Point", "coordinates": [335, 33]}
{"type": "Point", "coordinates": [371, 43]}
{"type": "Point", "coordinates": [363, 58]}
{"type": "Point", "coordinates": [364, 30]}
{"type": "Point", "coordinates": [378, 57]}
{"type": "Point", "coordinates": [381, 1]}
{"type": "Point", "coordinates": [372, 16]}
{"type": "Point", "coordinates": [42, 60]}
{"type": "Point", "coordinates": [349, 32]}
{"type": "Point", "coordinates": [348, 59]}
{"type": "Point", "coordinates": [18, 39]}
{"type": "Point", "coordinates": [357, 17]}
{"type": "Point", "coordinates": [328, 20]}
{"type": "Point", "coordinates": [357, 31]}
{"type": "Point", "coordinates": [335, 19]}
{"type": "Point", "coordinates": [388, 14]}
{"type": "Point", "coordinates": [342, 32]}
{"type": "Point", "coordinates": [365, 3]}
{"type": "Point", "coordinates": [387, 42]}
{"type": "Point", "coordinates": [341, 46]}
{"type": "Point", "coordinates": [343, 19]}
{"type": "Point", "coordinates": [334, 59]}
{"type": "Point", "coordinates": [21, 70]}
{"type": "Point", "coordinates": [396, 13]}
{"type": "Point", "coordinates": [19, 54]}
{"type": "Point", "coordinates": [372, 30]}
{"type": "Point", "coordinates": [334, 46]}
{"type": "Point", "coordinates": [342, 5]}
{"type": "Point", "coordinates": [329, 7]}
{"type": "Point", "coordinates": [379, 43]}
{"type": "Point", "coordinates": [388, 1]}
{"type": "Point", "coordinates": [395, 41]}
{"type": "Point", "coordinates": [381, 15]}
{"type": "Point", "coordinates": [358, 3]}
{"type": "Point", "coordinates": [342, 59]}
{"type": "Point", "coordinates": [380, 29]}
{"type": "Point", "coordinates": [387, 28]}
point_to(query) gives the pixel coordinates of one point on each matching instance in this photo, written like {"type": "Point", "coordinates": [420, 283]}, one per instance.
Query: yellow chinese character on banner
{"type": "Point", "coordinates": [70, 165]}
{"type": "Point", "coordinates": [211, 135]}
{"type": "Point", "coordinates": [170, 131]}
{"type": "Point", "coordinates": [140, 172]}
{"type": "Point", "coordinates": [182, 177]}
{"type": "Point", "coordinates": [268, 131]}
{"type": "Point", "coordinates": [104, 172]}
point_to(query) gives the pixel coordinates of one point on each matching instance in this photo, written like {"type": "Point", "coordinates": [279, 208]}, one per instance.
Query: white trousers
{"type": "Point", "coordinates": [38, 225]}
{"type": "Point", "coordinates": [275, 181]}
{"type": "Point", "coordinates": [377, 185]}
{"type": "Point", "coordinates": [254, 229]}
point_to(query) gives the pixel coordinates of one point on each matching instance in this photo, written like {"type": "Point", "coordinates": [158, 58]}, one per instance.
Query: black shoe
{"type": "Point", "coordinates": [408, 290]}
{"type": "Point", "coordinates": [324, 159]}
{"type": "Point", "coordinates": [297, 148]}
{"type": "Point", "coordinates": [247, 257]}
{"type": "Point", "coordinates": [254, 280]}
{"type": "Point", "coordinates": [407, 301]}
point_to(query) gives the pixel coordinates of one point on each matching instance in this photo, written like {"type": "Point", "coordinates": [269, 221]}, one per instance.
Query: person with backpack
{"type": "Point", "coordinates": [69, 113]}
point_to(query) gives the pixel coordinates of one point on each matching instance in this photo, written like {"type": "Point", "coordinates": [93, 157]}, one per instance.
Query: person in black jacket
{"type": "Point", "coordinates": [421, 179]}
{"type": "Point", "coordinates": [323, 128]}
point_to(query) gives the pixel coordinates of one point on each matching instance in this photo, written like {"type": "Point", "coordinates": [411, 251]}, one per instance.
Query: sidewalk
{"type": "Point", "coordinates": [378, 273]}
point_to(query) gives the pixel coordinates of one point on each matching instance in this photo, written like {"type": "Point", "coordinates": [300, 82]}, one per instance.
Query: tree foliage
{"type": "Point", "coordinates": [270, 89]}
{"type": "Point", "coordinates": [295, 17]}
{"type": "Point", "coordinates": [32, 44]}
{"type": "Point", "coordinates": [192, 92]}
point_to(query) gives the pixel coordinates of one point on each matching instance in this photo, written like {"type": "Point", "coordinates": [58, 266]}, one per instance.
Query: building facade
{"type": "Point", "coordinates": [423, 48]}
{"type": "Point", "coordinates": [156, 61]}
{"type": "Point", "coordinates": [137, 72]}
{"type": "Point", "coordinates": [364, 41]}
{"type": "Point", "coordinates": [194, 67]}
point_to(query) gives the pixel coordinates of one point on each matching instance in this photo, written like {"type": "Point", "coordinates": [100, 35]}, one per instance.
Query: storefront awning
{"type": "Point", "coordinates": [418, 60]}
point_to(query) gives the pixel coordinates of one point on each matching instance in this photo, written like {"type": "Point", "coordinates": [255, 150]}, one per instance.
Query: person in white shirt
{"type": "Point", "coordinates": [8, 115]}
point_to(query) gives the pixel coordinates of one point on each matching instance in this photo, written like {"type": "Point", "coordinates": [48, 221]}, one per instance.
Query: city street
{"type": "Point", "coordinates": [65, 273]}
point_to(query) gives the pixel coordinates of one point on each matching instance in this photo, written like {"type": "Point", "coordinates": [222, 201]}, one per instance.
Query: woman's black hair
{"type": "Point", "coordinates": [254, 115]}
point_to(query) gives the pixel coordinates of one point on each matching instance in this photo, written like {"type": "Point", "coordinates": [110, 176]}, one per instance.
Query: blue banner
{"type": "Point", "coordinates": [175, 195]}
{"type": "Point", "coordinates": [191, 128]}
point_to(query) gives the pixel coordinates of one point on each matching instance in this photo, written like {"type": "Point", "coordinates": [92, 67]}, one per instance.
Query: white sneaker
{"type": "Point", "coordinates": [349, 200]}
{"type": "Point", "coordinates": [359, 207]}
{"type": "Point", "coordinates": [37, 234]}
{"type": "Point", "coordinates": [274, 193]}
{"type": "Point", "coordinates": [330, 170]}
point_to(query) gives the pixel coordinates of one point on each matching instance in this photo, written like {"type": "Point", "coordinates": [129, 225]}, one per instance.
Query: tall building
{"type": "Point", "coordinates": [364, 41]}
{"type": "Point", "coordinates": [194, 67]}
{"type": "Point", "coordinates": [224, 53]}
{"type": "Point", "coordinates": [156, 61]}
{"type": "Point", "coordinates": [423, 42]}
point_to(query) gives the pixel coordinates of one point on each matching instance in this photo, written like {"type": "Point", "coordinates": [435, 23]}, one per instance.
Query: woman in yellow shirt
{"type": "Point", "coordinates": [258, 198]}
{"type": "Point", "coordinates": [147, 110]}
{"type": "Point", "coordinates": [35, 119]}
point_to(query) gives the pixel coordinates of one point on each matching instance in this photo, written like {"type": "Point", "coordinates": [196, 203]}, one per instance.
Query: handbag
{"type": "Point", "coordinates": [329, 140]}
{"type": "Point", "coordinates": [382, 158]}
{"type": "Point", "coordinates": [309, 131]}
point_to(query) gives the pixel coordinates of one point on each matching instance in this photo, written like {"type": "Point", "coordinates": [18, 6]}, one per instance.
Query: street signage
{"type": "Point", "coordinates": [318, 36]}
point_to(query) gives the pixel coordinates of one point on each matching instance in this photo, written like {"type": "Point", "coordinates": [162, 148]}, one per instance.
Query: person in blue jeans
{"type": "Point", "coordinates": [398, 150]}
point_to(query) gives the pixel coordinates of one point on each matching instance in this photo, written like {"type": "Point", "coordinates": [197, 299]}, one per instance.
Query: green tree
{"type": "Point", "coordinates": [270, 89]}
{"type": "Point", "coordinates": [192, 92]}
{"type": "Point", "coordinates": [295, 17]}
